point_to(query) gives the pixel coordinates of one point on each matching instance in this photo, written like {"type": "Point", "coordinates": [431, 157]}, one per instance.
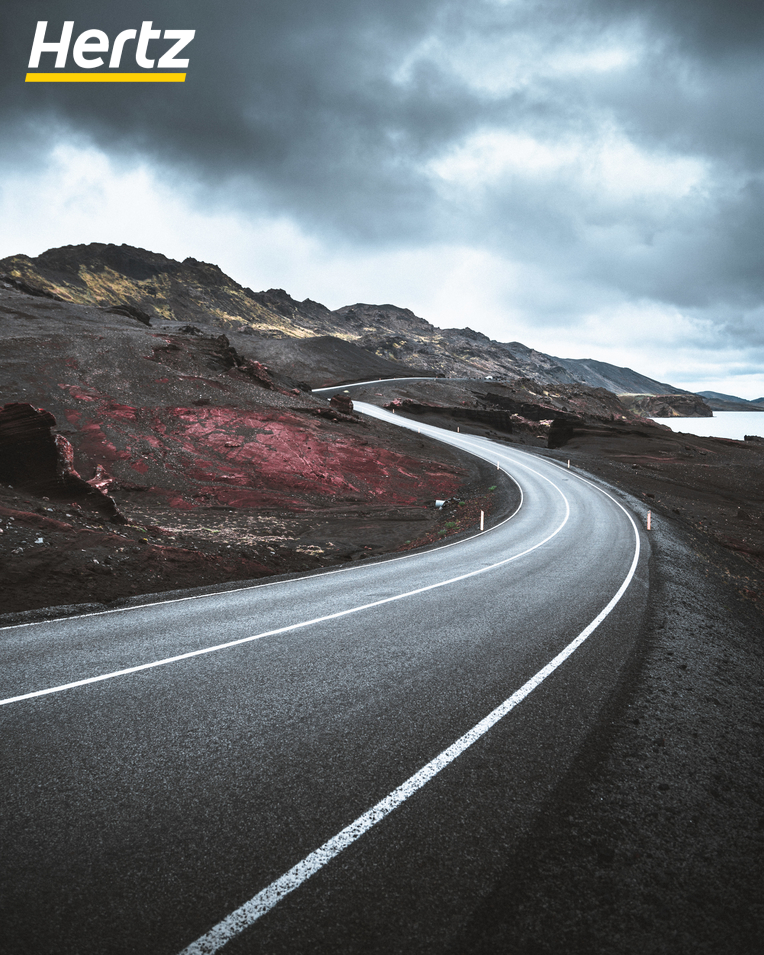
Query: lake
{"type": "Point", "coordinates": [724, 424]}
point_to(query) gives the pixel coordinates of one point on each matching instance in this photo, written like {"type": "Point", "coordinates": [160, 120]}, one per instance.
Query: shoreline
{"type": "Point", "coordinates": [721, 425]}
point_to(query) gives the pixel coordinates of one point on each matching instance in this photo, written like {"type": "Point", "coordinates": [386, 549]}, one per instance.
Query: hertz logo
{"type": "Point", "coordinates": [91, 43]}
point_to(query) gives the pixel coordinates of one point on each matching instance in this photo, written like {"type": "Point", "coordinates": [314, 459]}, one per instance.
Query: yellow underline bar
{"type": "Point", "coordinates": [105, 78]}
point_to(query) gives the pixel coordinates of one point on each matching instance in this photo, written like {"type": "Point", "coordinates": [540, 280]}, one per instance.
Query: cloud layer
{"type": "Point", "coordinates": [598, 163]}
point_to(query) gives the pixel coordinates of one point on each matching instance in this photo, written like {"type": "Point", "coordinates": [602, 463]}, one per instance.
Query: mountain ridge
{"type": "Point", "coordinates": [718, 401]}
{"type": "Point", "coordinates": [149, 286]}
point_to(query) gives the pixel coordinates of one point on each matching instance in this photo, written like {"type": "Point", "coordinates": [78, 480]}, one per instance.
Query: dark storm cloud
{"type": "Point", "coordinates": [332, 112]}
{"type": "Point", "coordinates": [296, 96]}
{"type": "Point", "coordinates": [706, 28]}
{"type": "Point", "coordinates": [700, 84]}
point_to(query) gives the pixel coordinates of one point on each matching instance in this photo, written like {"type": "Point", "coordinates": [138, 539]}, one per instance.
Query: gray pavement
{"type": "Point", "coordinates": [140, 810]}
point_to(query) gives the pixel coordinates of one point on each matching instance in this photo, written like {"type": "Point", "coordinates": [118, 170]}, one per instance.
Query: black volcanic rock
{"type": "Point", "coordinates": [32, 457]}
{"type": "Point", "coordinates": [326, 360]}
{"type": "Point", "coordinates": [562, 431]}
{"type": "Point", "coordinates": [521, 407]}
{"type": "Point", "coordinates": [342, 403]}
{"type": "Point", "coordinates": [131, 311]}
{"type": "Point", "coordinates": [28, 453]}
{"type": "Point", "coordinates": [133, 263]}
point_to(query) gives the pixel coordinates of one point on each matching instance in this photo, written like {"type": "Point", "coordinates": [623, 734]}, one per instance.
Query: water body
{"type": "Point", "coordinates": [724, 424]}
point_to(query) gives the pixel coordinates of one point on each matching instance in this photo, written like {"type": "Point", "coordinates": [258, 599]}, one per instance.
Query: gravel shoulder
{"type": "Point", "coordinates": [655, 841]}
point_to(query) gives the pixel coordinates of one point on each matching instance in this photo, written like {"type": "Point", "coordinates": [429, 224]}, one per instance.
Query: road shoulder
{"type": "Point", "coordinates": [655, 840]}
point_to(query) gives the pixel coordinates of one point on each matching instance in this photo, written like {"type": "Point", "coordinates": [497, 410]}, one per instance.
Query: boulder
{"type": "Point", "coordinates": [342, 403]}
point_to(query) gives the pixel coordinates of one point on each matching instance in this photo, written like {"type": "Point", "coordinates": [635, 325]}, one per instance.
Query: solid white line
{"type": "Point", "coordinates": [295, 626]}
{"type": "Point", "coordinates": [247, 914]}
{"type": "Point", "coordinates": [379, 381]}
{"type": "Point", "coordinates": [279, 583]}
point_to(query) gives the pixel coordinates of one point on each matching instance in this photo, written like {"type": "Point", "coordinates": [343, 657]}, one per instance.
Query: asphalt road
{"type": "Point", "coordinates": [330, 763]}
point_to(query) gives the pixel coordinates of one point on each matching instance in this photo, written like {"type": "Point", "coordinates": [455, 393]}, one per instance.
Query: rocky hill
{"type": "Point", "coordinates": [672, 405]}
{"type": "Point", "coordinates": [139, 458]}
{"type": "Point", "coordinates": [622, 381]}
{"type": "Point", "coordinates": [148, 287]}
{"type": "Point", "coordinates": [157, 430]}
{"type": "Point", "coordinates": [151, 288]}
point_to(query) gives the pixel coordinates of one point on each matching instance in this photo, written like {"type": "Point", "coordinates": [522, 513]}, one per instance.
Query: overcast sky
{"type": "Point", "coordinates": [584, 176]}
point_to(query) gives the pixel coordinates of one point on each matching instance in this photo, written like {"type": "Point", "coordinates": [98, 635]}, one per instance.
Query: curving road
{"type": "Point", "coordinates": [336, 763]}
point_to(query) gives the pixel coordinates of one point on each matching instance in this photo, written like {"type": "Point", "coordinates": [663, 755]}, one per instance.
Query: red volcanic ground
{"type": "Point", "coordinates": [266, 458]}
{"type": "Point", "coordinates": [169, 458]}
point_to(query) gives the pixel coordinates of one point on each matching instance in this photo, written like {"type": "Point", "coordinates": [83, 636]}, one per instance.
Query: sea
{"type": "Point", "coordinates": [724, 424]}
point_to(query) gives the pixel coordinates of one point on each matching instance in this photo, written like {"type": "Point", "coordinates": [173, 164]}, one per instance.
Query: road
{"type": "Point", "coordinates": [336, 763]}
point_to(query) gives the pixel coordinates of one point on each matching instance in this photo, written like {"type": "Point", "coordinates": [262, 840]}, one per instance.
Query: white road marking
{"type": "Point", "coordinates": [264, 901]}
{"type": "Point", "coordinates": [277, 583]}
{"type": "Point", "coordinates": [377, 381]}
{"type": "Point", "coordinates": [247, 914]}
{"type": "Point", "coordinates": [295, 626]}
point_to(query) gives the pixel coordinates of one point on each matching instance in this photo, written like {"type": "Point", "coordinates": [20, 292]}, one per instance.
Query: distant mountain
{"type": "Point", "coordinates": [623, 381]}
{"type": "Point", "coordinates": [153, 288]}
{"type": "Point", "coordinates": [721, 402]}
{"type": "Point", "coordinates": [720, 396]}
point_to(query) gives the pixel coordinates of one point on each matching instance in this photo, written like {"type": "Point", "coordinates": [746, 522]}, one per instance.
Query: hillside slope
{"type": "Point", "coordinates": [216, 466]}
{"type": "Point", "coordinates": [151, 287]}
{"type": "Point", "coordinates": [721, 402]}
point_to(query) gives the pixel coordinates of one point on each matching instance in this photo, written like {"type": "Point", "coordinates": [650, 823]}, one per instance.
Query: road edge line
{"type": "Point", "coordinates": [248, 913]}
{"type": "Point", "coordinates": [264, 582]}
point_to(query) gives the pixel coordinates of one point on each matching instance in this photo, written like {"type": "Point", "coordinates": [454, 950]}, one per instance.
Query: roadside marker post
{"type": "Point", "coordinates": [482, 520]}
{"type": "Point", "coordinates": [649, 521]}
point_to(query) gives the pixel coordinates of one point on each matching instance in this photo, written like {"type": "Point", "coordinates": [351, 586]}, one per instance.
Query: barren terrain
{"type": "Point", "coordinates": [169, 457]}
{"type": "Point", "coordinates": [711, 485]}
{"type": "Point", "coordinates": [181, 461]}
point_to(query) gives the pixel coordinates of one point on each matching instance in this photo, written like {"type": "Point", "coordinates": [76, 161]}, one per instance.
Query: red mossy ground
{"type": "Point", "coordinates": [244, 458]}
{"type": "Point", "coordinates": [227, 470]}
{"type": "Point", "coordinates": [223, 469]}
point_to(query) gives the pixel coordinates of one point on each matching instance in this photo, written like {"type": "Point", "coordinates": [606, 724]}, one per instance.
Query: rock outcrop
{"type": "Point", "coordinates": [342, 403]}
{"type": "Point", "coordinates": [562, 431]}
{"type": "Point", "coordinates": [512, 407]}
{"type": "Point", "coordinates": [32, 457]}
{"type": "Point", "coordinates": [667, 406]}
